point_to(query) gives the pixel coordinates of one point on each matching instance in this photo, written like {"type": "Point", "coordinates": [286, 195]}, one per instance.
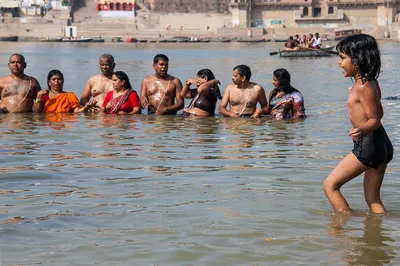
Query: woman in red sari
{"type": "Point", "coordinates": [123, 99]}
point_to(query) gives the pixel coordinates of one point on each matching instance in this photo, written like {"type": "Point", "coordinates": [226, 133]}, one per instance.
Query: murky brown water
{"type": "Point", "coordinates": [80, 189]}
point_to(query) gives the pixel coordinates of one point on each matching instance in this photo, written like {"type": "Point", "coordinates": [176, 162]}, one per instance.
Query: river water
{"type": "Point", "coordinates": [83, 189]}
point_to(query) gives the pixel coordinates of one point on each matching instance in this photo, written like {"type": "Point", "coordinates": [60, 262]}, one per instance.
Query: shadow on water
{"type": "Point", "coordinates": [370, 245]}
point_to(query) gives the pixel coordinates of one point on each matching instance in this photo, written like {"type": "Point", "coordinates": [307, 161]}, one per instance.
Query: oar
{"type": "Point", "coordinates": [273, 53]}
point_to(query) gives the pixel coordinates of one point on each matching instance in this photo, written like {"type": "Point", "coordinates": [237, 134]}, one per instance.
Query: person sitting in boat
{"type": "Point", "coordinates": [316, 42]}
{"type": "Point", "coordinates": [55, 100]}
{"type": "Point", "coordinates": [123, 99]}
{"type": "Point", "coordinates": [205, 96]}
{"type": "Point", "coordinates": [284, 100]}
{"type": "Point", "coordinates": [291, 44]}
{"type": "Point", "coordinates": [303, 41]}
{"type": "Point", "coordinates": [309, 40]}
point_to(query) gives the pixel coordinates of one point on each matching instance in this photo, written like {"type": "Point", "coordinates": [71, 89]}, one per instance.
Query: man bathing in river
{"type": "Point", "coordinates": [160, 93]}
{"type": "Point", "coordinates": [243, 96]}
{"type": "Point", "coordinates": [99, 85]}
{"type": "Point", "coordinates": [17, 90]}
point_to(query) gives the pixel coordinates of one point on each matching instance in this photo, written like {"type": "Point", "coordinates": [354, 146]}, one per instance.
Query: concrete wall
{"type": "Point", "coordinates": [228, 32]}
{"type": "Point", "coordinates": [361, 16]}
{"type": "Point", "coordinates": [32, 30]}
{"type": "Point", "coordinates": [195, 21]}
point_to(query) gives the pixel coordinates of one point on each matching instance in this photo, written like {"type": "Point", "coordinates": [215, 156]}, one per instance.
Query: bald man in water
{"type": "Point", "coordinates": [99, 85]}
{"type": "Point", "coordinates": [17, 90]}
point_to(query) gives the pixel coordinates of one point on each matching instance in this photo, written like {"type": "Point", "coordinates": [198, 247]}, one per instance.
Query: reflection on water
{"type": "Point", "coordinates": [111, 190]}
{"type": "Point", "coordinates": [368, 245]}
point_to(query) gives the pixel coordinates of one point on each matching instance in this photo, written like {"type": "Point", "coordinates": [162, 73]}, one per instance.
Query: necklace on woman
{"type": "Point", "coordinates": [53, 94]}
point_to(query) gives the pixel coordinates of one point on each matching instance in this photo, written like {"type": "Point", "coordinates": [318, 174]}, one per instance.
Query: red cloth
{"type": "Point", "coordinates": [132, 102]}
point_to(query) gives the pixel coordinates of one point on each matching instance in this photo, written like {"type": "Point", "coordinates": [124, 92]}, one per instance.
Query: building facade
{"type": "Point", "coordinates": [313, 13]}
{"type": "Point", "coordinates": [183, 6]}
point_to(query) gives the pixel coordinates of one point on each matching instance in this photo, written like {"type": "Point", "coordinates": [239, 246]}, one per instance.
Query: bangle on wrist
{"type": "Point", "coordinates": [37, 100]}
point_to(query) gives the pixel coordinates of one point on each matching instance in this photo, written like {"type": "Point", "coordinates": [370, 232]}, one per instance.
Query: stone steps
{"type": "Point", "coordinates": [138, 33]}
{"type": "Point", "coordinates": [32, 30]}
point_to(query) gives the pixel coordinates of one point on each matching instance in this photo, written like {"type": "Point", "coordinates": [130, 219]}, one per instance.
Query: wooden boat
{"type": "Point", "coordinates": [58, 39]}
{"type": "Point", "coordinates": [117, 39]}
{"type": "Point", "coordinates": [251, 40]}
{"type": "Point", "coordinates": [224, 40]}
{"type": "Point", "coordinates": [98, 40]}
{"type": "Point", "coordinates": [13, 38]}
{"type": "Point", "coordinates": [307, 52]}
{"type": "Point", "coordinates": [82, 39]}
{"type": "Point", "coordinates": [132, 40]}
{"type": "Point", "coordinates": [342, 33]}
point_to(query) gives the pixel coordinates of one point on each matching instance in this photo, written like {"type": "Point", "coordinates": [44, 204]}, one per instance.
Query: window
{"type": "Point", "coordinates": [305, 12]}
{"type": "Point", "coordinates": [330, 10]}
{"type": "Point", "coordinates": [317, 12]}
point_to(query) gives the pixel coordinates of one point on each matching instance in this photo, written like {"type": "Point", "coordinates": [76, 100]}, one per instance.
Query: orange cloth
{"type": "Point", "coordinates": [63, 103]}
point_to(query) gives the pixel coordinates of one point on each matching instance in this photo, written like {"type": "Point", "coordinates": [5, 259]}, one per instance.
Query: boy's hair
{"type": "Point", "coordinates": [160, 57]}
{"type": "Point", "coordinates": [364, 53]}
{"type": "Point", "coordinates": [243, 70]}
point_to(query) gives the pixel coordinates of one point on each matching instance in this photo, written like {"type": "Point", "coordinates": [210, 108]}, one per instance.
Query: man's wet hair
{"type": "Point", "coordinates": [243, 70]}
{"type": "Point", "coordinates": [108, 57]}
{"type": "Point", "coordinates": [20, 56]}
{"type": "Point", "coordinates": [160, 57]}
{"type": "Point", "coordinates": [364, 53]}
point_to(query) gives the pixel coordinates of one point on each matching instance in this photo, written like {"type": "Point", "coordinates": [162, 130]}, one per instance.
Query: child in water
{"type": "Point", "coordinates": [360, 60]}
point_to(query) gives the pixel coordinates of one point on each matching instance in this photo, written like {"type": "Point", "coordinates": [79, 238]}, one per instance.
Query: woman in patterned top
{"type": "Point", "coordinates": [284, 100]}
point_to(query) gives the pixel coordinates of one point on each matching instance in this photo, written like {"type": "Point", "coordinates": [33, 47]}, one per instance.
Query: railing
{"type": "Point", "coordinates": [239, 2]}
{"type": "Point", "coordinates": [339, 16]}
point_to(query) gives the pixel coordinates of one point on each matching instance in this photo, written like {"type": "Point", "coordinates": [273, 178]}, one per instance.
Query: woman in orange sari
{"type": "Point", "coordinates": [123, 99]}
{"type": "Point", "coordinates": [55, 100]}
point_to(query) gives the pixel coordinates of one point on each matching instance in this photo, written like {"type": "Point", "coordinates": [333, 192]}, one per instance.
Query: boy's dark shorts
{"type": "Point", "coordinates": [374, 148]}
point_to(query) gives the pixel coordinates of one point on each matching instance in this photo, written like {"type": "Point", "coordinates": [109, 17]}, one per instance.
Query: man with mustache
{"type": "Point", "coordinates": [159, 91]}
{"type": "Point", "coordinates": [17, 90]}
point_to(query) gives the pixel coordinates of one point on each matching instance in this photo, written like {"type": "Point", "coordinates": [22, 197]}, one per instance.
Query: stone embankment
{"type": "Point", "coordinates": [147, 25]}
